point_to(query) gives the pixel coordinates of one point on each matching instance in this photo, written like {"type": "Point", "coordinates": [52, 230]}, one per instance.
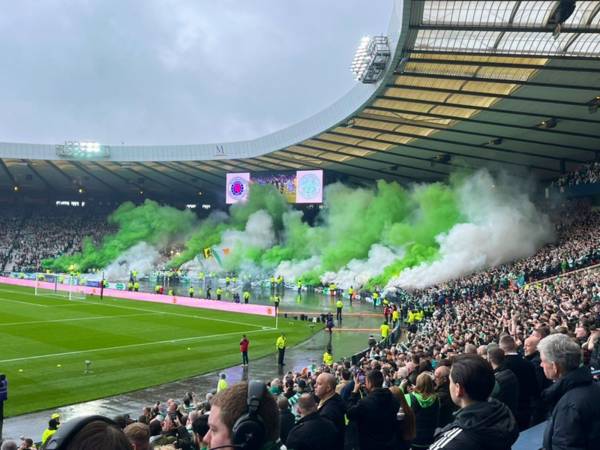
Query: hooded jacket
{"type": "Point", "coordinates": [574, 423]}
{"type": "Point", "coordinates": [482, 425]}
{"type": "Point", "coordinates": [427, 417]}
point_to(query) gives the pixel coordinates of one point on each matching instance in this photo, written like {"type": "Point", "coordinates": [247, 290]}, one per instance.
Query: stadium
{"type": "Point", "coordinates": [414, 266]}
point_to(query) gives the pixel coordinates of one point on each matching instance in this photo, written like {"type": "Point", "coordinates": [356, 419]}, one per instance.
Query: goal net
{"type": "Point", "coordinates": [65, 286]}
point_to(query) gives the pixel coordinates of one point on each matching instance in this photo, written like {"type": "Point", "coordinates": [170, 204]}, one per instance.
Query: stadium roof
{"type": "Point", "coordinates": [470, 84]}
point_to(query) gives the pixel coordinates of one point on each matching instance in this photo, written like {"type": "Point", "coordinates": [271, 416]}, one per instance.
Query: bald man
{"type": "Point", "coordinates": [331, 406]}
{"type": "Point", "coordinates": [441, 377]}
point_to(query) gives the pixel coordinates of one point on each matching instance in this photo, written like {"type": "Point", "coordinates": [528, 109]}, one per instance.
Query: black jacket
{"type": "Point", "coordinates": [375, 417]}
{"type": "Point", "coordinates": [540, 410]}
{"type": "Point", "coordinates": [312, 432]}
{"type": "Point", "coordinates": [482, 425]}
{"type": "Point", "coordinates": [447, 406]}
{"type": "Point", "coordinates": [287, 420]}
{"type": "Point", "coordinates": [574, 423]}
{"type": "Point", "coordinates": [334, 409]}
{"type": "Point", "coordinates": [528, 387]}
{"type": "Point", "coordinates": [507, 388]}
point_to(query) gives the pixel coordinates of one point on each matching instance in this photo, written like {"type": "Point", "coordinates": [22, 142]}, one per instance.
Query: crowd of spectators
{"type": "Point", "coordinates": [577, 245]}
{"type": "Point", "coordinates": [26, 240]}
{"type": "Point", "coordinates": [498, 351]}
{"type": "Point", "coordinates": [472, 376]}
{"type": "Point", "coordinates": [587, 174]}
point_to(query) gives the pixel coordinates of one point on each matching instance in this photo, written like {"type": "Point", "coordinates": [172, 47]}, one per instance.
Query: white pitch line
{"type": "Point", "coordinates": [75, 319]}
{"type": "Point", "coordinates": [4, 299]}
{"type": "Point", "coordinates": [118, 347]}
{"type": "Point", "coordinates": [195, 316]}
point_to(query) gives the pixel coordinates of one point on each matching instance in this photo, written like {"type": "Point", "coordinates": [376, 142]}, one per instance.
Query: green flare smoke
{"type": "Point", "coordinates": [351, 222]}
{"type": "Point", "coordinates": [152, 223]}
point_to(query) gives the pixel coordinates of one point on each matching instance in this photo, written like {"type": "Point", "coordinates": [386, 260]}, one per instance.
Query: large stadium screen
{"type": "Point", "coordinates": [238, 186]}
{"type": "Point", "coordinates": [302, 186]}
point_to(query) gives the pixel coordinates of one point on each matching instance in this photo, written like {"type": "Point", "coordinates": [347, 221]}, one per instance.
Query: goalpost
{"type": "Point", "coordinates": [53, 285]}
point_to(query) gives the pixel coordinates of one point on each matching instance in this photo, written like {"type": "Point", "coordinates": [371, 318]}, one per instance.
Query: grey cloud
{"type": "Point", "coordinates": [174, 71]}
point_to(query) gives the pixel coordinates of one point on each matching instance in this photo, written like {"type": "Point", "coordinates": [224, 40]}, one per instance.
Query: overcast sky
{"type": "Point", "coordinates": [174, 71]}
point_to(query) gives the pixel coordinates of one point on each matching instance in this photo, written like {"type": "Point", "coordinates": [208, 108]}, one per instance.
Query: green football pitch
{"type": "Point", "coordinates": [45, 341]}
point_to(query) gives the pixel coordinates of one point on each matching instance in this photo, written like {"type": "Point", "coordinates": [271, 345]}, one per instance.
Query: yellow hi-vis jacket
{"type": "Point", "coordinates": [385, 330]}
{"type": "Point", "coordinates": [281, 342]}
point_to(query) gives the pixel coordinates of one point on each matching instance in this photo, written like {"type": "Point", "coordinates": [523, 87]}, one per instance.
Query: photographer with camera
{"type": "Point", "coordinates": [174, 433]}
{"type": "Point", "coordinates": [375, 414]}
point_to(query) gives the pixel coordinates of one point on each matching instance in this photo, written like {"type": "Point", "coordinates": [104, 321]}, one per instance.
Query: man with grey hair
{"type": "Point", "coordinates": [574, 423]}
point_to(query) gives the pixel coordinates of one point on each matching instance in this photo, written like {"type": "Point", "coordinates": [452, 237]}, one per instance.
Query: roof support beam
{"type": "Point", "coordinates": [127, 181]}
{"type": "Point", "coordinates": [474, 120]}
{"type": "Point", "coordinates": [170, 177]}
{"type": "Point", "coordinates": [143, 175]}
{"type": "Point", "coordinates": [280, 161]}
{"type": "Point", "coordinates": [8, 174]}
{"type": "Point", "coordinates": [482, 108]}
{"type": "Point", "coordinates": [368, 158]}
{"type": "Point", "coordinates": [503, 28]}
{"type": "Point", "coordinates": [206, 172]}
{"type": "Point", "coordinates": [476, 78]}
{"type": "Point", "coordinates": [417, 147]}
{"type": "Point", "coordinates": [454, 62]}
{"type": "Point", "coordinates": [57, 169]}
{"type": "Point", "coordinates": [284, 161]}
{"type": "Point", "coordinates": [462, 144]}
{"type": "Point", "coordinates": [355, 166]}
{"type": "Point", "coordinates": [498, 53]}
{"type": "Point", "coordinates": [486, 94]}
{"type": "Point", "coordinates": [238, 164]}
{"type": "Point", "coordinates": [37, 174]}
{"type": "Point", "coordinates": [250, 162]}
{"type": "Point", "coordinates": [469, 133]}
{"type": "Point", "coordinates": [390, 152]}
{"type": "Point", "coordinates": [178, 165]}
{"type": "Point", "coordinates": [100, 180]}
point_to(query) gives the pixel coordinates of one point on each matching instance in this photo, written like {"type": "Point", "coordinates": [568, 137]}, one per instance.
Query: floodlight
{"type": "Point", "coordinates": [82, 150]}
{"type": "Point", "coordinates": [370, 59]}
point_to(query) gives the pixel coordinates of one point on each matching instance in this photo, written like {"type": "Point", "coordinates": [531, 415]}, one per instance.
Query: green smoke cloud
{"type": "Point", "coordinates": [351, 222]}
{"type": "Point", "coordinates": [152, 223]}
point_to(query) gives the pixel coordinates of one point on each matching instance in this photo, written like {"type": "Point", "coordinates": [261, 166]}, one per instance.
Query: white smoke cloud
{"type": "Point", "coordinates": [358, 271]}
{"type": "Point", "coordinates": [142, 257]}
{"type": "Point", "coordinates": [258, 233]}
{"type": "Point", "coordinates": [502, 224]}
{"type": "Point", "coordinates": [292, 270]}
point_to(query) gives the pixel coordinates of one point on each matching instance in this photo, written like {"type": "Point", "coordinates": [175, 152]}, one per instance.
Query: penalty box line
{"type": "Point", "coordinates": [134, 308]}
{"type": "Point", "coordinates": [144, 344]}
{"type": "Point", "coordinates": [22, 302]}
{"type": "Point", "coordinates": [76, 319]}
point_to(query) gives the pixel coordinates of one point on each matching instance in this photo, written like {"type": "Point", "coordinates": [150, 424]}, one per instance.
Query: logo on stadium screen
{"type": "Point", "coordinates": [238, 187]}
{"type": "Point", "coordinates": [309, 186]}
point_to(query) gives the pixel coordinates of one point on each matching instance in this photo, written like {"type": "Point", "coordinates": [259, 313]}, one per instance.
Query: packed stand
{"type": "Point", "coordinates": [488, 357]}
{"type": "Point", "coordinates": [588, 174]}
{"type": "Point", "coordinates": [577, 246]}
{"type": "Point", "coordinates": [50, 233]}
{"type": "Point", "coordinates": [9, 230]}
